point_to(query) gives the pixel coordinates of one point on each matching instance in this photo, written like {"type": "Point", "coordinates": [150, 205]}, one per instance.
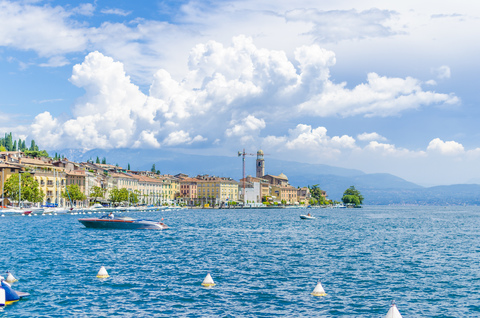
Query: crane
{"type": "Point", "coordinates": [243, 154]}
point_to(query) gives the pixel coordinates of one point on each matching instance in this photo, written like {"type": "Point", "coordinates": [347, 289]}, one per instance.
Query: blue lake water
{"type": "Point", "coordinates": [265, 263]}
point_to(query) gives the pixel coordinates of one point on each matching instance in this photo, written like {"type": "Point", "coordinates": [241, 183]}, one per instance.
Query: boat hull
{"type": "Point", "coordinates": [122, 224]}
{"type": "Point", "coordinates": [307, 217]}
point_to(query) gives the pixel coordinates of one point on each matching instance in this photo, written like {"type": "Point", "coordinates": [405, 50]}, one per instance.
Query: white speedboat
{"type": "Point", "coordinates": [307, 217]}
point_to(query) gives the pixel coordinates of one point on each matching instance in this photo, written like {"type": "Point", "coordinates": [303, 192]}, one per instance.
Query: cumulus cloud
{"type": "Point", "coordinates": [181, 137]}
{"type": "Point", "coordinates": [371, 137]}
{"type": "Point", "coordinates": [227, 91]}
{"type": "Point", "coordinates": [379, 96]}
{"type": "Point", "coordinates": [247, 125]}
{"type": "Point", "coordinates": [304, 137]}
{"type": "Point", "coordinates": [338, 25]}
{"type": "Point", "coordinates": [450, 148]}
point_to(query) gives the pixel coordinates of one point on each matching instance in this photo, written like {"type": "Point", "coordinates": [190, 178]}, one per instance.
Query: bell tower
{"type": "Point", "coordinates": [260, 164]}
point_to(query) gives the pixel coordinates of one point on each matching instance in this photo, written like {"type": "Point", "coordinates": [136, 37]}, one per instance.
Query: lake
{"type": "Point", "coordinates": [265, 263]}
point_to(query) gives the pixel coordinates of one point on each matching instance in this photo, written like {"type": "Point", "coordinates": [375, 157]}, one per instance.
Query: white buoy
{"type": "Point", "coordinates": [208, 281]}
{"type": "Point", "coordinates": [319, 291]}
{"type": "Point", "coordinates": [2, 297]}
{"type": "Point", "coordinates": [393, 312]}
{"type": "Point", "coordinates": [10, 278]}
{"type": "Point", "coordinates": [102, 273]}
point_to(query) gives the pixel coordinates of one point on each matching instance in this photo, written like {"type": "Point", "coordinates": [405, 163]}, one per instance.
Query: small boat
{"type": "Point", "coordinates": [307, 217]}
{"type": "Point", "coordinates": [126, 223]}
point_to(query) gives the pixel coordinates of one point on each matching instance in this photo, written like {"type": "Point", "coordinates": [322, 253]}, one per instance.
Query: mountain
{"type": "Point", "coordinates": [377, 188]}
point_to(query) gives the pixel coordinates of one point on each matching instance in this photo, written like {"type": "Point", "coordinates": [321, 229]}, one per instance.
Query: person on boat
{"type": "Point", "coordinates": [309, 214]}
{"type": "Point", "coordinates": [110, 215]}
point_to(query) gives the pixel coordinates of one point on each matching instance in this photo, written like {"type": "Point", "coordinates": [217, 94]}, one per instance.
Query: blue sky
{"type": "Point", "coordinates": [371, 85]}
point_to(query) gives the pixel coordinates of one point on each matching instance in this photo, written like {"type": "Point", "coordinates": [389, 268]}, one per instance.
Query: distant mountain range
{"type": "Point", "coordinates": [377, 188]}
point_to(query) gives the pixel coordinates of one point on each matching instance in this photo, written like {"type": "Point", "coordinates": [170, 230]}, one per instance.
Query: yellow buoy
{"type": "Point", "coordinates": [319, 291]}
{"type": "Point", "coordinates": [208, 281]}
{"type": "Point", "coordinates": [102, 273]}
{"type": "Point", "coordinates": [10, 279]}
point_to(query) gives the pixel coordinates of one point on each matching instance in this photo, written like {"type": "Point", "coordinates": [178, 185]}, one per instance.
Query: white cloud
{"type": "Point", "coordinates": [116, 12]}
{"type": "Point", "coordinates": [450, 148]}
{"type": "Point", "coordinates": [310, 141]}
{"type": "Point", "coordinates": [338, 25]}
{"type": "Point", "coordinates": [371, 137]}
{"type": "Point", "coordinates": [86, 9]}
{"type": "Point", "coordinates": [42, 29]}
{"type": "Point", "coordinates": [181, 137]}
{"type": "Point", "coordinates": [380, 96]}
{"type": "Point", "coordinates": [248, 125]}
{"type": "Point", "coordinates": [222, 85]}
{"type": "Point", "coordinates": [442, 72]}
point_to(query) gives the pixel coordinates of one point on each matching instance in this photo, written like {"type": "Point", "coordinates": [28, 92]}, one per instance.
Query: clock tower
{"type": "Point", "coordinates": [260, 164]}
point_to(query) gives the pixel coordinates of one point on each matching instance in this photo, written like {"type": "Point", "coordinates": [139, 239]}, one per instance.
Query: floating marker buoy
{"type": "Point", "coordinates": [10, 295]}
{"type": "Point", "coordinates": [319, 291]}
{"type": "Point", "coordinates": [10, 278]}
{"type": "Point", "coordinates": [102, 273]}
{"type": "Point", "coordinates": [393, 312]}
{"type": "Point", "coordinates": [2, 297]}
{"type": "Point", "coordinates": [208, 281]}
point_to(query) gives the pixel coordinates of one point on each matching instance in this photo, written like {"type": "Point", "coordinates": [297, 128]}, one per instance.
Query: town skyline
{"type": "Point", "coordinates": [379, 87]}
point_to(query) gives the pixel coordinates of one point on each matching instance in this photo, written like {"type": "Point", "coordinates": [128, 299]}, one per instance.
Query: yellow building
{"type": "Point", "coordinates": [217, 189]}
{"type": "Point", "coordinates": [51, 179]}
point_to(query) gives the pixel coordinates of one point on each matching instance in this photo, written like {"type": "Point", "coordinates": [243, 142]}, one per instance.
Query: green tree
{"type": "Point", "coordinates": [98, 160]}
{"type": "Point", "coordinates": [96, 192]}
{"type": "Point", "coordinates": [30, 191]}
{"type": "Point", "coordinates": [153, 168]}
{"type": "Point", "coordinates": [133, 196]}
{"type": "Point", "coordinates": [118, 195]}
{"type": "Point", "coordinates": [104, 160]}
{"type": "Point", "coordinates": [2, 148]}
{"type": "Point", "coordinates": [8, 142]}
{"type": "Point", "coordinates": [352, 196]}
{"type": "Point", "coordinates": [37, 153]}
{"type": "Point", "coordinates": [73, 193]}
{"type": "Point", "coordinates": [128, 167]}
{"type": "Point", "coordinates": [14, 148]}
{"type": "Point", "coordinates": [316, 194]}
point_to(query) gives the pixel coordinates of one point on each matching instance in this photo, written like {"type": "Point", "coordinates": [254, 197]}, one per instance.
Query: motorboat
{"type": "Point", "coordinates": [15, 211]}
{"type": "Point", "coordinates": [110, 222]}
{"type": "Point", "coordinates": [307, 217]}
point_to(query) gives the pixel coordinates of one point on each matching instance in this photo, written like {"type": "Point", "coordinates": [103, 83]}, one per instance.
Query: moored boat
{"type": "Point", "coordinates": [127, 223]}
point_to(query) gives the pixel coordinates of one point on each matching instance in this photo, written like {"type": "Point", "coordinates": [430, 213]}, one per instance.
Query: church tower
{"type": "Point", "coordinates": [260, 164]}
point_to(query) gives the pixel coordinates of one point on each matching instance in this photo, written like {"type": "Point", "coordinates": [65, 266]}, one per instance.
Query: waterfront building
{"type": "Point", "coordinates": [303, 195]}
{"type": "Point", "coordinates": [150, 189]}
{"type": "Point", "coordinates": [6, 170]}
{"type": "Point", "coordinates": [174, 186]}
{"type": "Point", "coordinates": [216, 190]}
{"type": "Point", "coordinates": [79, 178]}
{"type": "Point", "coordinates": [281, 190]}
{"type": "Point", "coordinates": [51, 179]}
{"type": "Point", "coordinates": [188, 189]}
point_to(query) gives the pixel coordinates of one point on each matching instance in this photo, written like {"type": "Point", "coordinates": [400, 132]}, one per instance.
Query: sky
{"type": "Point", "coordinates": [379, 86]}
